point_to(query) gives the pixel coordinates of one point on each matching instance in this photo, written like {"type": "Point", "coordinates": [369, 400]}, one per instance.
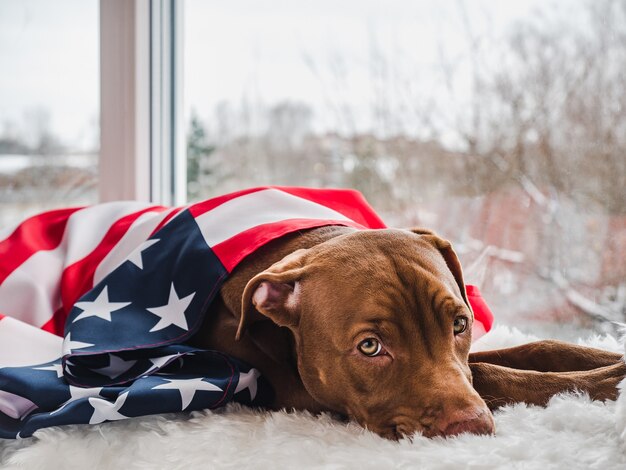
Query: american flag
{"type": "Point", "coordinates": [96, 303]}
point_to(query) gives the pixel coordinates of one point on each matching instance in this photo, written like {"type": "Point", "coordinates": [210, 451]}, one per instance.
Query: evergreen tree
{"type": "Point", "coordinates": [198, 153]}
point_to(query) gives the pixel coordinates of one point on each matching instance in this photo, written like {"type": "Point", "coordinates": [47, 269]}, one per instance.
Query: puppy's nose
{"type": "Point", "coordinates": [473, 420]}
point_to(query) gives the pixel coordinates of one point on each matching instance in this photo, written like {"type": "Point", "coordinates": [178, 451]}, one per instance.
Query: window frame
{"type": "Point", "coordinates": [142, 141]}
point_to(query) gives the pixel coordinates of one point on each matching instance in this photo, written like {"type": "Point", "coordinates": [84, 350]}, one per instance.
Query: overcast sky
{"type": "Point", "coordinates": [49, 59]}
{"type": "Point", "coordinates": [319, 53]}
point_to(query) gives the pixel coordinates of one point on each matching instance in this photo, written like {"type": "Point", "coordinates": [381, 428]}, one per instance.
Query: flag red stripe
{"type": "Point", "coordinates": [41, 232]}
{"type": "Point", "coordinates": [233, 250]}
{"type": "Point", "coordinates": [56, 324]}
{"type": "Point", "coordinates": [481, 310]}
{"type": "Point", "coordinates": [77, 278]}
{"type": "Point", "coordinates": [348, 202]}
{"type": "Point", "coordinates": [205, 206]}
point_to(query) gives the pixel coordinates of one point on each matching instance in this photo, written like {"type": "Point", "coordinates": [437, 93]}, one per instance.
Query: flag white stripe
{"type": "Point", "coordinates": [248, 211]}
{"type": "Point", "coordinates": [478, 330]}
{"type": "Point", "coordinates": [137, 233]}
{"type": "Point", "coordinates": [6, 232]}
{"type": "Point", "coordinates": [87, 227]}
{"type": "Point", "coordinates": [31, 292]}
{"type": "Point", "coordinates": [15, 406]}
{"type": "Point", "coordinates": [26, 345]}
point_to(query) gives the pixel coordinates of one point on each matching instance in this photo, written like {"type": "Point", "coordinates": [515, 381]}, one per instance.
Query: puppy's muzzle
{"type": "Point", "coordinates": [474, 420]}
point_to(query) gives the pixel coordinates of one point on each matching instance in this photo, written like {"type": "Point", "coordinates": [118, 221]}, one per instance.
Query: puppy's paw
{"type": "Point", "coordinates": [603, 382]}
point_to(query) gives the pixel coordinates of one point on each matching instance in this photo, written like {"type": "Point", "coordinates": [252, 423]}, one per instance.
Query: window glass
{"type": "Point", "coordinates": [49, 92]}
{"type": "Point", "coordinates": [501, 125]}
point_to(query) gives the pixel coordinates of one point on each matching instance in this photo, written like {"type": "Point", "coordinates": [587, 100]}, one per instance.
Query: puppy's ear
{"type": "Point", "coordinates": [446, 250]}
{"type": "Point", "coordinates": [275, 293]}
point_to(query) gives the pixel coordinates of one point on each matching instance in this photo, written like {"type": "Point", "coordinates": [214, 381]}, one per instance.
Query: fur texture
{"type": "Point", "coordinates": [572, 432]}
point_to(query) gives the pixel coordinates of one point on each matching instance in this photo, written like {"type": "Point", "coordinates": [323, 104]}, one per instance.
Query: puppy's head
{"type": "Point", "coordinates": [382, 330]}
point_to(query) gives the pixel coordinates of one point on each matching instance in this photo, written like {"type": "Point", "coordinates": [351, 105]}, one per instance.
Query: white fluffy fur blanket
{"type": "Point", "coordinates": [572, 432]}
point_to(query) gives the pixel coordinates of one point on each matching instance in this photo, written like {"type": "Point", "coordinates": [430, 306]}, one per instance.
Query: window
{"type": "Point", "coordinates": [502, 126]}
{"type": "Point", "coordinates": [49, 106]}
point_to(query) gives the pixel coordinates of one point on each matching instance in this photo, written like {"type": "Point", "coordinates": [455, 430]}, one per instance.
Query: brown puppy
{"type": "Point", "coordinates": [375, 325]}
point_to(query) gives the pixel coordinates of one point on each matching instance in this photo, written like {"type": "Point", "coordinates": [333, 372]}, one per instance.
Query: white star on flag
{"type": "Point", "coordinates": [69, 364]}
{"type": "Point", "coordinates": [104, 410]}
{"type": "Point", "coordinates": [160, 362]}
{"type": "Point", "coordinates": [117, 366]}
{"type": "Point", "coordinates": [76, 393]}
{"type": "Point", "coordinates": [172, 313]}
{"type": "Point", "coordinates": [101, 307]}
{"type": "Point", "coordinates": [136, 258]}
{"type": "Point", "coordinates": [69, 345]}
{"type": "Point", "coordinates": [188, 388]}
{"type": "Point", "coordinates": [58, 368]}
{"type": "Point", "coordinates": [248, 380]}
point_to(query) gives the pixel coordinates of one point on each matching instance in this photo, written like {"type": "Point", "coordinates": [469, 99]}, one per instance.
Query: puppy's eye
{"type": "Point", "coordinates": [460, 325]}
{"type": "Point", "coordinates": [370, 347]}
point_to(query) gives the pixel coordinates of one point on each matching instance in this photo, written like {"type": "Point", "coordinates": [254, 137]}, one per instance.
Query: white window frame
{"type": "Point", "coordinates": [142, 141]}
